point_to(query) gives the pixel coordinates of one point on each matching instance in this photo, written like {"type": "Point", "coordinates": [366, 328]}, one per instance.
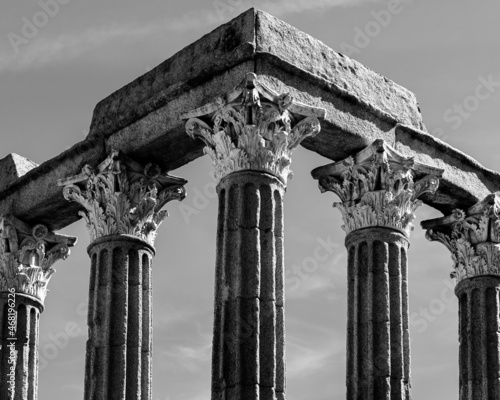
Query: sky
{"type": "Point", "coordinates": [444, 51]}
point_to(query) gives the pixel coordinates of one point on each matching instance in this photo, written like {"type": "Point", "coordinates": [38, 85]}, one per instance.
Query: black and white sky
{"type": "Point", "coordinates": [79, 52]}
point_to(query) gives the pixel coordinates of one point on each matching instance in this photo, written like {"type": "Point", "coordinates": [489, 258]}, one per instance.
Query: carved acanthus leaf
{"type": "Point", "coordinates": [27, 256]}
{"type": "Point", "coordinates": [378, 187]}
{"type": "Point", "coordinates": [471, 237]}
{"type": "Point", "coordinates": [121, 196]}
{"type": "Point", "coordinates": [257, 130]}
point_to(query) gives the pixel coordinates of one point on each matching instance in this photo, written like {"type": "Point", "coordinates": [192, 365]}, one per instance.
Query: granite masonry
{"type": "Point", "coordinates": [256, 88]}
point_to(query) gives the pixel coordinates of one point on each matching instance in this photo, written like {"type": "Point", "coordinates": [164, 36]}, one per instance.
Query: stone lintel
{"type": "Point", "coordinates": [24, 230]}
{"type": "Point", "coordinates": [490, 204]}
{"type": "Point", "coordinates": [35, 198]}
{"type": "Point", "coordinates": [143, 118]}
{"type": "Point", "coordinates": [379, 152]}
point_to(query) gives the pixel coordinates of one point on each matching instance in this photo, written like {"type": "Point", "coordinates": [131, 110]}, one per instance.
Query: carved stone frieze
{"type": "Point", "coordinates": [472, 237]}
{"type": "Point", "coordinates": [27, 255]}
{"type": "Point", "coordinates": [121, 196]}
{"type": "Point", "coordinates": [253, 128]}
{"type": "Point", "coordinates": [378, 187]}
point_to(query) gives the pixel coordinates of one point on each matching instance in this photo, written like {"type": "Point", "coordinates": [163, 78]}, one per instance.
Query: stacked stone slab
{"type": "Point", "coordinates": [473, 238]}
{"type": "Point", "coordinates": [27, 254]}
{"type": "Point", "coordinates": [378, 188]}
{"type": "Point", "coordinates": [144, 119]}
{"type": "Point", "coordinates": [250, 134]}
{"type": "Point", "coordinates": [122, 200]}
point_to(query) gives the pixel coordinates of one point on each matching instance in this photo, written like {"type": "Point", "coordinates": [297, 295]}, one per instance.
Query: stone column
{"type": "Point", "coordinates": [378, 339]}
{"type": "Point", "coordinates": [378, 188]}
{"type": "Point", "coordinates": [122, 201]}
{"type": "Point", "coordinates": [27, 255]}
{"type": "Point", "coordinates": [473, 238]}
{"type": "Point", "coordinates": [250, 135]}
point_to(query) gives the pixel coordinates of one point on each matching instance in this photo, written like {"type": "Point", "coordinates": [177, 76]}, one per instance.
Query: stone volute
{"type": "Point", "coordinates": [27, 256]}
{"type": "Point", "coordinates": [473, 238]}
{"type": "Point", "coordinates": [379, 189]}
{"type": "Point", "coordinates": [250, 135]}
{"type": "Point", "coordinates": [121, 203]}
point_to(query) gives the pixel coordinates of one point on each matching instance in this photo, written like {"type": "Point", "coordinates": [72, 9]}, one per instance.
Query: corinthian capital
{"type": "Point", "coordinates": [121, 196]}
{"type": "Point", "coordinates": [378, 187]}
{"type": "Point", "coordinates": [27, 255]}
{"type": "Point", "coordinates": [472, 236]}
{"type": "Point", "coordinates": [253, 128]}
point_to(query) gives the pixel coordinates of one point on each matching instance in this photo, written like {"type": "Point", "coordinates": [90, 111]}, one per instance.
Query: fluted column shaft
{"type": "Point", "coordinates": [118, 360]}
{"type": "Point", "coordinates": [249, 333]}
{"type": "Point", "coordinates": [19, 352]}
{"type": "Point", "coordinates": [479, 336]}
{"type": "Point", "coordinates": [378, 340]}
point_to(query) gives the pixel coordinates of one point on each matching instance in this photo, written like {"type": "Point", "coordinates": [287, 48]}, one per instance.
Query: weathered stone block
{"type": "Point", "coordinates": [143, 118]}
{"type": "Point", "coordinates": [12, 168]}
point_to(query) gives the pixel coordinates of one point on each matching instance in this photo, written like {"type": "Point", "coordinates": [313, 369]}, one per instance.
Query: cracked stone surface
{"type": "Point", "coordinates": [143, 118]}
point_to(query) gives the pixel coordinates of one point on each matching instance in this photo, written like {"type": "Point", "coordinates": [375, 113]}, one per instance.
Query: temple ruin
{"type": "Point", "coordinates": [246, 95]}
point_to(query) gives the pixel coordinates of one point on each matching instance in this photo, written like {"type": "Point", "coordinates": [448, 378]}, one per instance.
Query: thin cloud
{"type": "Point", "coordinates": [327, 281]}
{"type": "Point", "coordinates": [192, 358]}
{"type": "Point", "coordinates": [284, 7]}
{"type": "Point", "coordinates": [306, 360]}
{"type": "Point", "coordinates": [42, 51]}
{"type": "Point", "coordinates": [51, 50]}
{"type": "Point", "coordinates": [172, 316]}
{"type": "Point", "coordinates": [222, 11]}
{"type": "Point", "coordinates": [315, 285]}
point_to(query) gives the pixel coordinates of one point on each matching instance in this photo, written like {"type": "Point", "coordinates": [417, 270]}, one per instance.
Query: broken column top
{"type": "Point", "coordinates": [12, 167]}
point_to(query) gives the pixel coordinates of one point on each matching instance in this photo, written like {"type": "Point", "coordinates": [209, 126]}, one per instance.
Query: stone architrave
{"type": "Point", "coordinates": [379, 190]}
{"type": "Point", "coordinates": [122, 203]}
{"type": "Point", "coordinates": [27, 256]}
{"type": "Point", "coordinates": [473, 238]}
{"type": "Point", "coordinates": [250, 135]}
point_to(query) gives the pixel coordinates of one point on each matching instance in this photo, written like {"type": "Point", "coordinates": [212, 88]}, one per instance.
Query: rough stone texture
{"type": "Point", "coordinates": [253, 128]}
{"type": "Point", "coordinates": [479, 337]}
{"type": "Point", "coordinates": [142, 119]}
{"type": "Point", "coordinates": [119, 348]}
{"type": "Point", "coordinates": [378, 187]}
{"type": "Point", "coordinates": [35, 198]}
{"type": "Point", "coordinates": [278, 42]}
{"type": "Point", "coordinates": [121, 196]}
{"type": "Point", "coordinates": [378, 338]}
{"type": "Point", "coordinates": [26, 363]}
{"type": "Point", "coordinates": [465, 182]}
{"type": "Point", "coordinates": [12, 168]}
{"type": "Point", "coordinates": [27, 256]}
{"type": "Point", "coordinates": [472, 236]}
{"type": "Point", "coordinates": [251, 36]}
{"type": "Point", "coordinates": [249, 334]}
